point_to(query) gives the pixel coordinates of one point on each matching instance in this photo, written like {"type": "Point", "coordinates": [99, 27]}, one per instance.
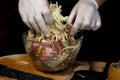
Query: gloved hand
{"type": "Point", "coordinates": [36, 14]}
{"type": "Point", "coordinates": [84, 16]}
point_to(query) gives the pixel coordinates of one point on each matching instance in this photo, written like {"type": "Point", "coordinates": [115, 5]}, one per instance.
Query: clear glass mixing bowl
{"type": "Point", "coordinates": [49, 59]}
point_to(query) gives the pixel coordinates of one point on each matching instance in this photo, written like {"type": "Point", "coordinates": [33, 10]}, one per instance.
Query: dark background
{"type": "Point", "coordinates": [100, 45]}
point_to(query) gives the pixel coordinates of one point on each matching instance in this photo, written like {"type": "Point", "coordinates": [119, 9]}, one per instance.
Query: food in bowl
{"type": "Point", "coordinates": [57, 52]}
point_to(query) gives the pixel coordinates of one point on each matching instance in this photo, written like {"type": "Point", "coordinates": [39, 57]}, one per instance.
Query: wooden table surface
{"type": "Point", "coordinates": [23, 63]}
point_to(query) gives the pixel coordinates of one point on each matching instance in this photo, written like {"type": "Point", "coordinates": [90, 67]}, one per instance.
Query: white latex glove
{"type": "Point", "coordinates": [36, 14]}
{"type": "Point", "coordinates": [84, 16]}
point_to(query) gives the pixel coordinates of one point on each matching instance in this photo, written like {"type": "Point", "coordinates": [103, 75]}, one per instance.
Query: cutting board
{"type": "Point", "coordinates": [23, 63]}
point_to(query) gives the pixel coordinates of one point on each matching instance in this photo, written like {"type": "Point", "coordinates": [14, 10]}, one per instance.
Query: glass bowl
{"type": "Point", "coordinates": [49, 58]}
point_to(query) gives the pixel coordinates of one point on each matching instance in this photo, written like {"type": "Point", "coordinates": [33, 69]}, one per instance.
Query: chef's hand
{"type": "Point", "coordinates": [84, 16]}
{"type": "Point", "coordinates": [36, 14]}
